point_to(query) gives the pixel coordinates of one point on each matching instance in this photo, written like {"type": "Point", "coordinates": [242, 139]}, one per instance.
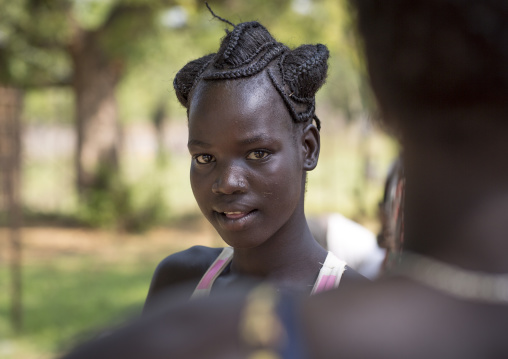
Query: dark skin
{"type": "Point", "coordinates": [248, 173]}
{"type": "Point", "coordinates": [456, 207]}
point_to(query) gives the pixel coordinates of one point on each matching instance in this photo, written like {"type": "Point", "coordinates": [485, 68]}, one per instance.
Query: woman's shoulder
{"type": "Point", "coordinates": [180, 268]}
{"type": "Point", "coordinates": [188, 263]}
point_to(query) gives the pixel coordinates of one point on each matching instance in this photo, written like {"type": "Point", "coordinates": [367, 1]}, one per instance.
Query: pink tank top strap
{"type": "Point", "coordinates": [205, 284]}
{"type": "Point", "coordinates": [330, 274]}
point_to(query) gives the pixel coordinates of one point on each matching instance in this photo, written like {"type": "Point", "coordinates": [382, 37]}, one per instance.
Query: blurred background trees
{"type": "Point", "coordinates": [102, 139]}
{"type": "Point", "coordinates": [102, 65]}
{"type": "Point", "coordinates": [86, 46]}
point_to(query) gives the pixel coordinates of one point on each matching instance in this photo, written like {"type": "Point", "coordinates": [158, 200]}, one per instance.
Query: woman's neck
{"type": "Point", "coordinates": [291, 257]}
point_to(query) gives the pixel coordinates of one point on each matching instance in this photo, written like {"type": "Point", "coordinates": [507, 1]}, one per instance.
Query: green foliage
{"type": "Point", "coordinates": [325, 21]}
{"type": "Point", "coordinates": [113, 203]}
{"type": "Point", "coordinates": [36, 37]}
{"type": "Point", "coordinates": [90, 14]}
{"type": "Point", "coordinates": [48, 105]}
{"type": "Point", "coordinates": [121, 37]}
{"type": "Point", "coordinates": [149, 55]}
{"type": "Point", "coordinates": [33, 34]}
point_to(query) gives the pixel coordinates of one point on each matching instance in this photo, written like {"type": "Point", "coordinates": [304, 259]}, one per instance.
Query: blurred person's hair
{"type": "Point", "coordinates": [429, 56]}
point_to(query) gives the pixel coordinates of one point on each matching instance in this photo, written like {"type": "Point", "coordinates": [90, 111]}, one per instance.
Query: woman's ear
{"type": "Point", "coordinates": [311, 146]}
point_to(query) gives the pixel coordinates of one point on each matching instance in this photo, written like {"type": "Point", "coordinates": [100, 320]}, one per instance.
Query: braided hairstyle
{"type": "Point", "coordinates": [248, 50]}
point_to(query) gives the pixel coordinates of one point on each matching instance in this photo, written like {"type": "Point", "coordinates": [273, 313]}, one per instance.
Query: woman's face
{"type": "Point", "coordinates": [247, 162]}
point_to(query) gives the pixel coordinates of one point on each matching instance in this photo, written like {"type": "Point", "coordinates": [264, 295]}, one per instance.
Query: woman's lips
{"type": "Point", "coordinates": [235, 215]}
{"type": "Point", "coordinates": [235, 220]}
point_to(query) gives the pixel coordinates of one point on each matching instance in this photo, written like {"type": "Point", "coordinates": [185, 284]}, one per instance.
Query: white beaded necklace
{"type": "Point", "coordinates": [452, 280]}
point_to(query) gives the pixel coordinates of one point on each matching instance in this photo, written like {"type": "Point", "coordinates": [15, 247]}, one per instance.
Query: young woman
{"type": "Point", "coordinates": [252, 140]}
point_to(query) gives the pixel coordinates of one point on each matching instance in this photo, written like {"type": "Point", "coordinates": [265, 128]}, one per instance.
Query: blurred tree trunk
{"type": "Point", "coordinates": [10, 177]}
{"type": "Point", "coordinates": [159, 119]}
{"type": "Point", "coordinates": [98, 134]}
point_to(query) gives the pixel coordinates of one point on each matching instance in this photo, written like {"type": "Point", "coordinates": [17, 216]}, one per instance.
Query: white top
{"type": "Point", "coordinates": [356, 244]}
{"type": "Point", "coordinates": [328, 278]}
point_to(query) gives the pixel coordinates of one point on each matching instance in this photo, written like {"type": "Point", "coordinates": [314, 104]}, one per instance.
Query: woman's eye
{"type": "Point", "coordinates": [257, 155]}
{"type": "Point", "coordinates": [204, 159]}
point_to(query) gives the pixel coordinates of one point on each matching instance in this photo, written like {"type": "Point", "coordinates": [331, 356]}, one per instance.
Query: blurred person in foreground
{"type": "Point", "coordinates": [438, 70]}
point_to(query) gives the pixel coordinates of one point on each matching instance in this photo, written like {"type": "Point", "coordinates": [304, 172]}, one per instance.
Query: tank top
{"type": "Point", "coordinates": [328, 278]}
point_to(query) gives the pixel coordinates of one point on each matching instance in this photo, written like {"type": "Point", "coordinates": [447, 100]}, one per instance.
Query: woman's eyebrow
{"type": "Point", "coordinates": [246, 141]}
{"type": "Point", "coordinates": [255, 139]}
{"type": "Point", "coordinates": [197, 143]}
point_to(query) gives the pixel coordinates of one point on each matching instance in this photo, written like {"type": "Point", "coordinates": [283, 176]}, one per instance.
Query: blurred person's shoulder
{"type": "Point", "coordinates": [351, 274]}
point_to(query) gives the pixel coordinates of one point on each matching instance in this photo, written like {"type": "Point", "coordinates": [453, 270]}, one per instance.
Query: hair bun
{"type": "Point", "coordinates": [186, 78]}
{"type": "Point", "coordinates": [305, 69]}
{"type": "Point", "coordinates": [249, 49]}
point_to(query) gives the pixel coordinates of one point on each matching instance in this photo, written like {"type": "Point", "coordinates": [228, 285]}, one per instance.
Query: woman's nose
{"type": "Point", "coordinates": [230, 180]}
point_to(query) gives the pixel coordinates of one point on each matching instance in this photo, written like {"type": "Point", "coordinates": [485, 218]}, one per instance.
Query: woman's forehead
{"type": "Point", "coordinates": [252, 95]}
{"type": "Point", "coordinates": [243, 104]}
{"type": "Point", "coordinates": [242, 89]}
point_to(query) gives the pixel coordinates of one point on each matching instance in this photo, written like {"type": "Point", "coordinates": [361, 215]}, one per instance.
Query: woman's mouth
{"type": "Point", "coordinates": [236, 220]}
{"type": "Point", "coordinates": [235, 215]}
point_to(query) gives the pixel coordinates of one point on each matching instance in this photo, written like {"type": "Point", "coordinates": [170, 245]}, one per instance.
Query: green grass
{"type": "Point", "coordinates": [69, 300]}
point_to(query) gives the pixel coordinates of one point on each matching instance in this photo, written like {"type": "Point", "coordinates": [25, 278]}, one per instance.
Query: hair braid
{"type": "Point", "coordinates": [250, 70]}
{"type": "Point", "coordinates": [304, 69]}
{"type": "Point", "coordinates": [256, 53]}
{"type": "Point", "coordinates": [249, 49]}
{"type": "Point", "coordinates": [298, 117]}
{"type": "Point", "coordinates": [235, 36]}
